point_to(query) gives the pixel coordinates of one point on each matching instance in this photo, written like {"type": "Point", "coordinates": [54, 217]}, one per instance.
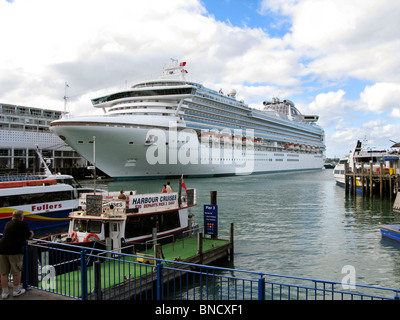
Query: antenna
{"type": "Point", "coordinates": [65, 98]}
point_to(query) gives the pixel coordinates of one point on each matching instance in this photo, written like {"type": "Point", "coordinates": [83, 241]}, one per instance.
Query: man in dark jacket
{"type": "Point", "coordinates": [12, 251]}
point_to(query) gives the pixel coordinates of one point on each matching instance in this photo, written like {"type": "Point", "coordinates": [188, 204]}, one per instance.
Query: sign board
{"type": "Point", "coordinates": [211, 219]}
{"type": "Point", "coordinates": [154, 201]}
{"type": "Point", "coordinates": [93, 205]}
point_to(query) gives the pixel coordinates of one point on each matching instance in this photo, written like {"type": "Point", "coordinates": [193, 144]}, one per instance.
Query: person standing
{"type": "Point", "coordinates": [121, 195]}
{"type": "Point", "coordinates": [12, 252]}
{"type": "Point", "coordinates": [169, 189]}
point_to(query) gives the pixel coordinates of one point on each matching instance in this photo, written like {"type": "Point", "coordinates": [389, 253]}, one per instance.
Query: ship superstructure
{"type": "Point", "coordinates": [171, 126]}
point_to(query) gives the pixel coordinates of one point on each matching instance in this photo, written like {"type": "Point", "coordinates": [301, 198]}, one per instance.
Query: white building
{"type": "Point", "coordinates": [21, 129]}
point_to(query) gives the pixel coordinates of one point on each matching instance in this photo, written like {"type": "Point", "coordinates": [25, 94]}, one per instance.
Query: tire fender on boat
{"type": "Point", "coordinates": [91, 235]}
{"type": "Point", "coordinates": [74, 236]}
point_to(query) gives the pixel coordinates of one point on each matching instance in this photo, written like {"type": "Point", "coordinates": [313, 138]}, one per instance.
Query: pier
{"type": "Point", "coordinates": [93, 274]}
{"type": "Point", "coordinates": [384, 182]}
{"type": "Point", "coordinates": [60, 272]}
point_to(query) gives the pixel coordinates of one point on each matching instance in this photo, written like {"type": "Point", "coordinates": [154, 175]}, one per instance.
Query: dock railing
{"type": "Point", "coordinates": [92, 274]}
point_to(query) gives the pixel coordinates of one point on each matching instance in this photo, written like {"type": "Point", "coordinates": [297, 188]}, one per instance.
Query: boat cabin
{"type": "Point", "coordinates": [105, 221]}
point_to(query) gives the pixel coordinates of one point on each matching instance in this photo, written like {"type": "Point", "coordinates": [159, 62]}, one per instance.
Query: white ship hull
{"type": "Point", "coordinates": [122, 153]}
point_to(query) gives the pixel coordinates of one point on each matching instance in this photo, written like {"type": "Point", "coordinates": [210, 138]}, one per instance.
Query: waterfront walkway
{"type": "Point", "coordinates": [36, 294]}
{"type": "Point", "coordinates": [94, 276]}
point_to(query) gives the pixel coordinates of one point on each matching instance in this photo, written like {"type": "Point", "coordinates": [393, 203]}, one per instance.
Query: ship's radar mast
{"type": "Point", "coordinates": [175, 70]}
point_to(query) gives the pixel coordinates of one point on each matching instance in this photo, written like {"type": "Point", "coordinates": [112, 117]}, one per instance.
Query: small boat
{"type": "Point", "coordinates": [391, 231]}
{"type": "Point", "coordinates": [45, 203]}
{"type": "Point", "coordinates": [329, 165]}
{"type": "Point", "coordinates": [108, 222]}
{"type": "Point", "coordinates": [46, 199]}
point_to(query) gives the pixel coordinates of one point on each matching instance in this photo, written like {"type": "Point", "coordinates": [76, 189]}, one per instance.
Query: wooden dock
{"type": "Point", "coordinates": [383, 182]}
{"type": "Point", "coordinates": [123, 277]}
{"type": "Point", "coordinates": [144, 285]}
{"type": "Point", "coordinates": [200, 251]}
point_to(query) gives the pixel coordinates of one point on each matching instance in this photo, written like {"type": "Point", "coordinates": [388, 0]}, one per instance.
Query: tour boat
{"type": "Point", "coordinates": [46, 199]}
{"type": "Point", "coordinates": [106, 221]}
{"type": "Point", "coordinates": [45, 203]}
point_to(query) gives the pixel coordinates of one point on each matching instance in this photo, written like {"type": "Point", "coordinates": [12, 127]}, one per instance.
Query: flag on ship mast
{"type": "Point", "coordinates": [183, 184]}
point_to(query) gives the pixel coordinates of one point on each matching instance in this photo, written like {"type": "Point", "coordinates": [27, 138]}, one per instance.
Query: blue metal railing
{"type": "Point", "coordinates": [90, 274]}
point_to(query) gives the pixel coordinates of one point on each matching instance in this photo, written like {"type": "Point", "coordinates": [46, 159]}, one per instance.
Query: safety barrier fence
{"type": "Point", "coordinates": [91, 274]}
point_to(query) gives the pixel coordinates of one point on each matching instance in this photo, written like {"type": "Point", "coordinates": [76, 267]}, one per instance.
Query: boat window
{"type": "Point", "coordinates": [169, 220]}
{"type": "Point", "coordinates": [80, 225]}
{"type": "Point", "coordinates": [139, 226]}
{"type": "Point", "coordinates": [33, 198]}
{"type": "Point", "coordinates": [142, 93]}
{"type": "Point", "coordinates": [87, 226]}
{"type": "Point", "coordinates": [94, 226]}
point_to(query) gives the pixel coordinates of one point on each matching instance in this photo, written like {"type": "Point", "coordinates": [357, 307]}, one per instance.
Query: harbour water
{"type": "Point", "coordinates": [297, 224]}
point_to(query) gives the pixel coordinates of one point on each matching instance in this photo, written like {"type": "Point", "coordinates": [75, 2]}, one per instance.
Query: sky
{"type": "Point", "coordinates": [338, 59]}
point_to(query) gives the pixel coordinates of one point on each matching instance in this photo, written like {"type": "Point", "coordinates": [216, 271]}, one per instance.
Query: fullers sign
{"type": "Point", "coordinates": [211, 219]}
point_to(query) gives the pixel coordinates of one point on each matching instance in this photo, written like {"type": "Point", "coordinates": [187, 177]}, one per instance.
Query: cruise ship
{"type": "Point", "coordinates": [170, 127]}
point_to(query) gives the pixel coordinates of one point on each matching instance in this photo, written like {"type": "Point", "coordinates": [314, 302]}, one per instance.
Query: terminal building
{"type": "Point", "coordinates": [21, 129]}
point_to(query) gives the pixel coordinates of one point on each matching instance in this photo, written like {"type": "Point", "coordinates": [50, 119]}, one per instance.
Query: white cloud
{"type": "Point", "coordinates": [395, 113]}
{"type": "Point", "coordinates": [98, 45]}
{"type": "Point", "coordinates": [91, 43]}
{"type": "Point", "coordinates": [358, 38]}
{"type": "Point", "coordinates": [329, 106]}
{"type": "Point", "coordinates": [342, 124]}
{"type": "Point", "coordinates": [381, 97]}
{"type": "Point", "coordinates": [327, 100]}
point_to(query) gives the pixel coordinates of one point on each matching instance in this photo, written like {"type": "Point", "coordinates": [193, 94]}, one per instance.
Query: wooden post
{"type": "Point", "coordinates": [213, 196]}
{"type": "Point", "coordinates": [200, 246]}
{"type": "Point", "coordinates": [370, 179]}
{"type": "Point", "coordinates": [156, 249]}
{"type": "Point", "coordinates": [346, 178]}
{"type": "Point", "coordinates": [231, 241]}
{"type": "Point", "coordinates": [97, 279]}
{"type": "Point", "coordinates": [213, 201]}
{"type": "Point", "coordinates": [362, 179]}
{"type": "Point", "coordinates": [381, 180]}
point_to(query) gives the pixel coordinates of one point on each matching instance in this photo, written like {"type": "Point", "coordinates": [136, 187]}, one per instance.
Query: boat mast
{"type": "Point", "coordinates": [65, 98]}
{"type": "Point", "coordinates": [94, 163]}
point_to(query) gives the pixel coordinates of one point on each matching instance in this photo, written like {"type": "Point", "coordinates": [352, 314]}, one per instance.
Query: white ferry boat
{"type": "Point", "coordinates": [46, 199]}
{"type": "Point", "coordinates": [171, 126]}
{"type": "Point", "coordinates": [359, 156]}
{"type": "Point", "coordinates": [45, 203]}
{"type": "Point", "coordinates": [137, 219]}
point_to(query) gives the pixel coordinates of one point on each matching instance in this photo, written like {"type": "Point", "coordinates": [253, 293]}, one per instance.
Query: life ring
{"type": "Point", "coordinates": [74, 236]}
{"type": "Point", "coordinates": [91, 235]}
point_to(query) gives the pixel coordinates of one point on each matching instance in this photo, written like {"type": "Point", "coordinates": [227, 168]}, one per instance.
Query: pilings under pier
{"type": "Point", "coordinates": [382, 182]}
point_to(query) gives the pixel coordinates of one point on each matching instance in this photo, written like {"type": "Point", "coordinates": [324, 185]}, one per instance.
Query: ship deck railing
{"type": "Point", "coordinates": [84, 274]}
{"type": "Point", "coordinates": [20, 177]}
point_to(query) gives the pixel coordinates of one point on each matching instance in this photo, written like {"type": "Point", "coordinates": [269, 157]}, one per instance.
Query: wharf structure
{"type": "Point", "coordinates": [21, 128]}
{"type": "Point", "coordinates": [109, 275]}
{"type": "Point", "coordinates": [384, 182]}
